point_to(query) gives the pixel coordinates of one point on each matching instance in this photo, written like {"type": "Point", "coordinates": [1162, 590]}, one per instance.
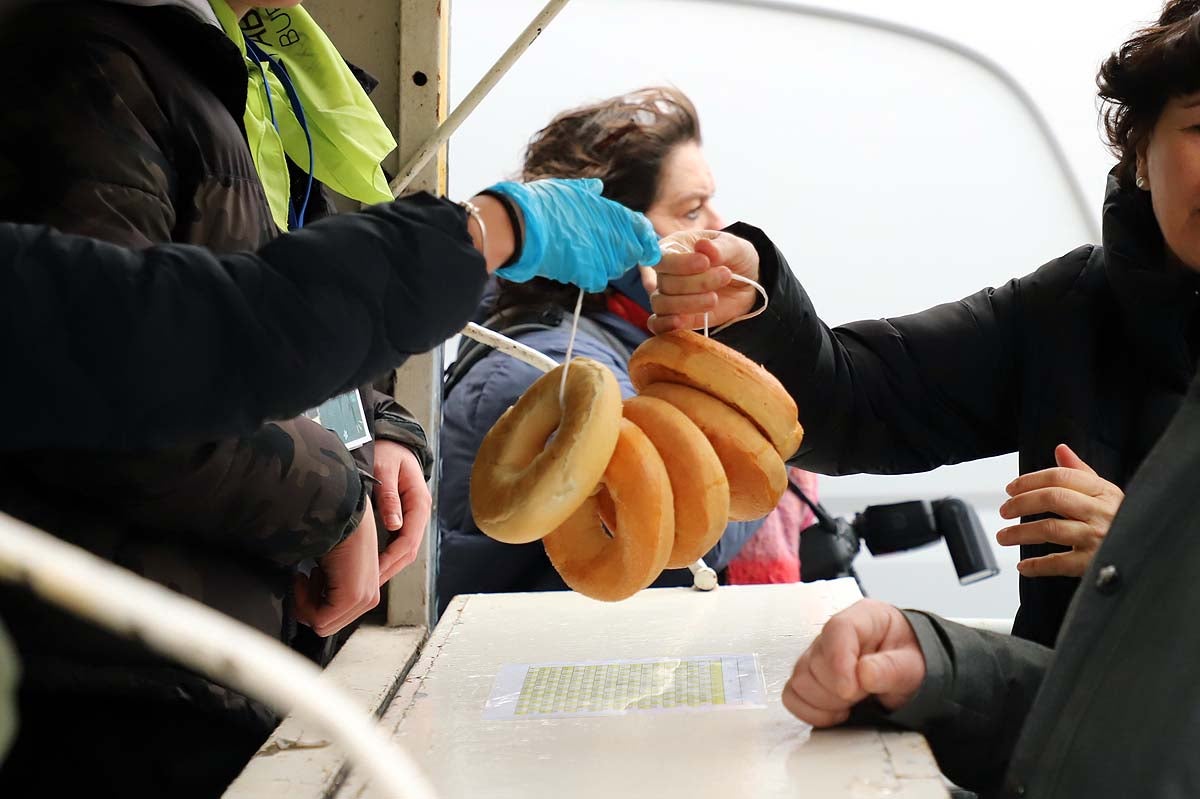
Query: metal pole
{"type": "Point", "coordinates": [440, 136]}
{"type": "Point", "coordinates": [508, 346]}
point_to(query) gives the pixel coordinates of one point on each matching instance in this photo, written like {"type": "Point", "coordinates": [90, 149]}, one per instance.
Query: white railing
{"type": "Point", "coordinates": [205, 640]}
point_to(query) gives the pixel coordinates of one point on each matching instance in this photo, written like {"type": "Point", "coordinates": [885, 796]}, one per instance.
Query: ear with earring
{"type": "Point", "coordinates": [1141, 183]}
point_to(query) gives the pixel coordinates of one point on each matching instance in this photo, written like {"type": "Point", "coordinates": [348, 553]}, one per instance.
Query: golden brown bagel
{"type": "Point", "coordinates": [634, 503]}
{"type": "Point", "coordinates": [698, 481]}
{"type": "Point", "coordinates": [756, 474]}
{"type": "Point", "coordinates": [690, 359]}
{"type": "Point", "coordinates": [523, 487]}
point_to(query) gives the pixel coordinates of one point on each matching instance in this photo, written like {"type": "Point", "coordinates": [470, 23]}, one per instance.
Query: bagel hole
{"type": "Point", "coordinates": [608, 511]}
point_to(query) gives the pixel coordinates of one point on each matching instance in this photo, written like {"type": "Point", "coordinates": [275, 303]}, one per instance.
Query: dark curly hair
{"type": "Point", "coordinates": [1160, 62]}
{"type": "Point", "coordinates": [623, 141]}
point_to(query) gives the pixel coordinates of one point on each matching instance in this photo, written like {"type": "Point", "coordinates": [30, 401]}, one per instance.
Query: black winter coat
{"type": "Point", "coordinates": [1092, 350]}
{"type": "Point", "coordinates": [235, 339]}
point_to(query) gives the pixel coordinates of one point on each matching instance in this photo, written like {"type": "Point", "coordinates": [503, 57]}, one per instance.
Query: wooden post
{"type": "Point", "coordinates": [404, 43]}
{"type": "Point", "coordinates": [423, 70]}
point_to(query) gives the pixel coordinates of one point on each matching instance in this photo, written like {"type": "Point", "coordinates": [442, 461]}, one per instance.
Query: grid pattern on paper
{"type": "Point", "coordinates": [618, 687]}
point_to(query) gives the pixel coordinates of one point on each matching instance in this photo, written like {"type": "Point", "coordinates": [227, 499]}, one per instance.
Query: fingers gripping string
{"type": "Point", "coordinates": [562, 385]}
{"type": "Point", "coordinates": [683, 243]}
{"type": "Point", "coordinates": [762, 292]}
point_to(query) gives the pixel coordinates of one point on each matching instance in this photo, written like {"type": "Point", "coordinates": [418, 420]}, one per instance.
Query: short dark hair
{"type": "Point", "coordinates": [1158, 63]}
{"type": "Point", "coordinates": [624, 142]}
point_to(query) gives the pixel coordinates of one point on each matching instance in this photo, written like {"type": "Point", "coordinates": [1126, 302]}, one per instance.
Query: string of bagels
{"type": "Point", "coordinates": [617, 491]}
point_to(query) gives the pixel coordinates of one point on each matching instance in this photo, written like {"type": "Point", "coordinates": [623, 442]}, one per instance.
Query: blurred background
{"type": "Point", "coordinates": [901, 155]}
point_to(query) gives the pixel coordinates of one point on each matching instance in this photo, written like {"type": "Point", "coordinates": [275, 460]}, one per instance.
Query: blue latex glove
{"type": "Point", "coordinates": [573, 235]}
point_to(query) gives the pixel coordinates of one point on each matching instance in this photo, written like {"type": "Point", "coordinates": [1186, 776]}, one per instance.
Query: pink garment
{"type": "Point", "coordinates": [772, 555]}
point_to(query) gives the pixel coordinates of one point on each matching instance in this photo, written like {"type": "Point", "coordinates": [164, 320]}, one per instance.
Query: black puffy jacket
{"type": "Point", "coordinates": [1091, 350]}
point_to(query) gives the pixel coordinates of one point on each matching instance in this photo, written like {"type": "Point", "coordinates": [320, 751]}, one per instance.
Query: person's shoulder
{"type": "Point", "coordinates": [494, 383]}
{"type": "Point", "coordinates": [61, 30]}
{"type": "Point", "coordinates": [1078, 273]}
{"type": "Point", "coordinates": [498, 380]}
{"type": "Point", "coordinates": [72, 50]}
{"type": "Point", "coordinates": [1077, 262]}
{"type": "Point", "coordinates": [588, 344]}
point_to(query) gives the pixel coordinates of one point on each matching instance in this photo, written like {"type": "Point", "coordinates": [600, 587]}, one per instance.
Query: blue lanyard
{"type": "Point", "coordinates": [295, 218]}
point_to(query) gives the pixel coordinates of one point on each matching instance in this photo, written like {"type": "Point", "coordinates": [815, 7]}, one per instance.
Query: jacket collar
{"type": "Point", "coordinates": [1156, 301]}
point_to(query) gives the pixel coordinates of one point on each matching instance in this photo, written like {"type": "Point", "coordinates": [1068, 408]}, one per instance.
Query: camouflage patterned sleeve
{"type": "Point", "coordinates": [81, 144]}
{"type": "Point", "coordinates": [287, 492]}
{"type": "Point", "coordinates": [10, 671]}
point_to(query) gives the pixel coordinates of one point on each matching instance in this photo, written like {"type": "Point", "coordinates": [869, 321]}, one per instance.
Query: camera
{"type": "Point", "coordinates": [829, 546]}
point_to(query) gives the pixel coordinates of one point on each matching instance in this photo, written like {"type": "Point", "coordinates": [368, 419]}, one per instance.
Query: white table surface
{"type": "Point", "coordinates": [438, 713]}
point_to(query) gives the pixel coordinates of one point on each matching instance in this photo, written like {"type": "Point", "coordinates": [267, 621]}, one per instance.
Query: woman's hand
{"type": "Point", "coordinates": [573, 235]}
{"type": "Point", "coordinates": [1085, 502]}
{"type": "Point", "coordinates": [691, 284]}
{"type": "Point", "coordinates": [404, 505]}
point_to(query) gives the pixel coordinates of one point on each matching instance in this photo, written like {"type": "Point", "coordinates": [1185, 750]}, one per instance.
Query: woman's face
{"type": "Point", "coordinates": [1170, 164]}
{"type": "Point", "coordinates": [685, 191]}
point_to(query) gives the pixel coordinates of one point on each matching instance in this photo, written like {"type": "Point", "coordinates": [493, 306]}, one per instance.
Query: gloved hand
{"type": "Point", "coordinates": [573, 235]}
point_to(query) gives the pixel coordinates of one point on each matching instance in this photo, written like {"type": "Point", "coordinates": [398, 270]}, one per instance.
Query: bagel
{"type": "Point", "coordinates": [757, 476]}
{"type": "Point", "coordinates": [690, 359]}
{"type": "Point", "coordinates": [698, 483]}
{"type": "Point", "coordinates": [634, 503]}
{"type": "Point", "coordinates": [523, 487]}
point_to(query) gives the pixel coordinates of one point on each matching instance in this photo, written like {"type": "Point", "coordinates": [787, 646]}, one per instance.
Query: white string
{"type": "Point", "coordinates": [685, 242]}
{"type": "Point", "coordinates": [562, 385]}
{"type": "Point", "coordinates": [762, 292]}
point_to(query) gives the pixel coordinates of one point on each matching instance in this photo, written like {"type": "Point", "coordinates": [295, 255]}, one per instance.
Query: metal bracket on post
{"type": "Point", "coordinates": [424, 50]}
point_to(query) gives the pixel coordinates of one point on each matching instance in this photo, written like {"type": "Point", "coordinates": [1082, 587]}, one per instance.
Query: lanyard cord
{"type": "Point", "coordinates": [295, 218]}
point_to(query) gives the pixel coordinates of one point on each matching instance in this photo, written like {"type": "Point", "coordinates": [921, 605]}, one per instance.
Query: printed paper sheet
{"type": "Point", "coordinates": [618, 687]}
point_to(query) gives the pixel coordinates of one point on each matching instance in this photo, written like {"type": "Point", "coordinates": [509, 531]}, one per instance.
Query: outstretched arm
{"type": "Point", "coordinates": [174, 342]}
